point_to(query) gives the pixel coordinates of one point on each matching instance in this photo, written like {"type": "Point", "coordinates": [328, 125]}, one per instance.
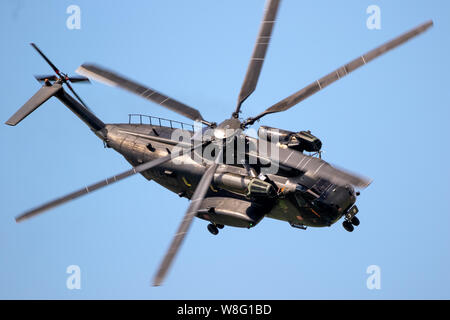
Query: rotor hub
{"type": "Point", "coordinates": [227, 129]}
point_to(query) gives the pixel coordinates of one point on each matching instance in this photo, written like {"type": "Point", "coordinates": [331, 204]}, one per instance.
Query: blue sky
{"type": "Point", "coordinates": [388, 120]}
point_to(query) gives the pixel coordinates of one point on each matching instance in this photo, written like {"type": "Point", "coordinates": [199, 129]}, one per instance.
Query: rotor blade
{"type": "Point", "coordinates": [46, 59]}
{"type": "Point", "coordinates": [76, 95]}
{"type": "Point", "coordinates": [43, 94]}
{"type": "Point", "coordinates": [78, 79]}
{"type": "Point", "coordinates": [96, 186]}
{"type": "Point", "coordinates": [309, 165]}
{"type": "Point", "coordinates": [113, 79]}
{"type": "Point", "coordinates": [196, 201]}
{"type": "Point", "coordinates": [341, 72]}
{"type": "Point", "coordinates": [259, 52]}
{"type": "Point", "coordinates": [42, 78]}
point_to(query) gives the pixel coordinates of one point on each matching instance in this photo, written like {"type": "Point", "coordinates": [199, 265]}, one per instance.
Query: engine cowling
{"type": "Point", "coordinates": [302, 141]}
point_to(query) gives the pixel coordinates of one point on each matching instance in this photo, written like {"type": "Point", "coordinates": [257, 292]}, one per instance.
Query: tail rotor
{"type": "Point", "coordinates": [52, 86]}
{"type": "Point", "coordinates": [63, 77]}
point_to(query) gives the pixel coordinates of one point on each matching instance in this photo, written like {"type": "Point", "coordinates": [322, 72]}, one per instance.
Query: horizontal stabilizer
{"type": "Point", "coordinates": [44, 93]}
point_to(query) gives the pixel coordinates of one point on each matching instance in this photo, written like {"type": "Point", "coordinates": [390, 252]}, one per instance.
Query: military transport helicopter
{"type": "Point", "coordinates": [304, 191]}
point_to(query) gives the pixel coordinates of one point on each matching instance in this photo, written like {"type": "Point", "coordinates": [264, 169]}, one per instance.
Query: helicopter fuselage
{"type": "Point", "coordinates": [300, 200]}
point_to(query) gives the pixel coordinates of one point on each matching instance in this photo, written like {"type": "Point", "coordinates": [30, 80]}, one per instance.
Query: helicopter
{"type": "Point", "coordinates": [231, 178]}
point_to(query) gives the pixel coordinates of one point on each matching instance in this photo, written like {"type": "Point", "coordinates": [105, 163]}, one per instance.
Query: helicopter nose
{"type": "Point", "coordinates": [341, 198]}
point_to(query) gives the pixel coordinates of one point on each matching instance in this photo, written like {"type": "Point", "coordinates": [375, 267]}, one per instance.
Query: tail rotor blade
{"type": "Point", "coordinates": [76, 95]}
{"type": "Point", "coordinates": [46, 59]}
{"type": "Point", "coordinates": [52, 77]}
{"type": "Point", "coordinates": [196, 200]}
{"type": "Point", "coordinates": [77, 79]}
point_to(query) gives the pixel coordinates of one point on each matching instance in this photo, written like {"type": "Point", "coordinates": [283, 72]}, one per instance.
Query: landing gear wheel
{"type": "Point", "coordinates": [347, 226]}
{"type": "Point", "coordinates": [355, 221]}
{"type": "Point", "coordinates": [213, 229]}
{"type": "Point", "coordinates": [220, 226]}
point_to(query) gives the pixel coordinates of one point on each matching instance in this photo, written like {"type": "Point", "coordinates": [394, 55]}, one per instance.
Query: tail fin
{"type": "Point", "coordinates": [43, 94]}
{"type": "Point", "coordinates": [56, 89]}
